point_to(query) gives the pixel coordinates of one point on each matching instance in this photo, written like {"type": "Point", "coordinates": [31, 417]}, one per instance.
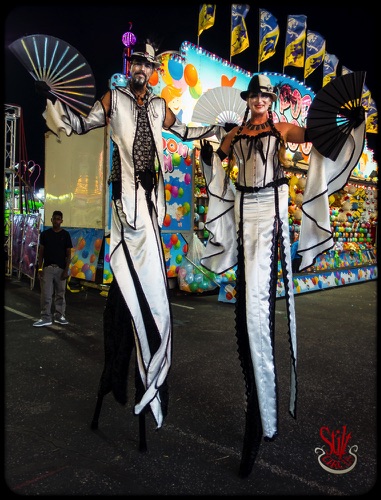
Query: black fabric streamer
{"type": "Point", "coordinates": [118, 345]}
{"type": "Point", "coordinates": [253, 425]}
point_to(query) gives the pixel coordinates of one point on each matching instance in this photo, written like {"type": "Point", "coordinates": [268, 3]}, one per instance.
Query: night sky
{"type": "Point", "coordinates": [96, 32]}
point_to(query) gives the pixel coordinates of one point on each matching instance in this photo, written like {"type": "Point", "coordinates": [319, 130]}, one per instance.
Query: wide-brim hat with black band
{"type": "Point", "coordinates": [145, 52]}
{"type": "Point", "coordinates": [259, 84]}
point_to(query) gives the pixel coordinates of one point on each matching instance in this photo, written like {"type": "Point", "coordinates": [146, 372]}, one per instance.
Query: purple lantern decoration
{"type": "Point", "coordinates": [129, 40]}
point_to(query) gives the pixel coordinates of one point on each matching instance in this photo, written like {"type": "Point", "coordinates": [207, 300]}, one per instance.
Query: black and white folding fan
{"type": "Point", "coordinates": [60, 66]}
{"type": "Point", "coordinates": [219, 106]}
{"type": "Point", "coordinates": [334, 112]}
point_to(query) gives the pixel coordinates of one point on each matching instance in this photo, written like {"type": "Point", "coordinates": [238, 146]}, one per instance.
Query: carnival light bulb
{"type": "Point", "coordinates": [129, 39]}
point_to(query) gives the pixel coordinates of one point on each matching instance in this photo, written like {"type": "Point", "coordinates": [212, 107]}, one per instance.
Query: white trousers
{"type": "Point", "coordinates": [264, 219]}
{"type": "Point", "coordinates": [138, 264]}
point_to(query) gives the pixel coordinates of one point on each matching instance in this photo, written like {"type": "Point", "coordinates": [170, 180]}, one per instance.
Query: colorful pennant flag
{"type": "Point", "coordinates": [239, 37]}
{"type": "Point", "coordinates": [206, 17]}
{"type": "Point", "coordinates": [329, 68]}
{"type": "Point", "coordinates": [315, 51]}
{"type": "Point", "coordinates": [372, 118]}
{"type": "Point", "coordinates": [345, 70]}
{"type": "Point", "coordinates": [268, 35]}
{"type": "Point", "coordinates": [295, 41]}
{"type": "Point", "coordinates": [365, 97]}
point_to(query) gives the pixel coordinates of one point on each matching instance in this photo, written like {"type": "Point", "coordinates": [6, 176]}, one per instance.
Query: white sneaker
{"type": "Point", "coordinates": [61, 320]}
{"type": "Point", "coordinates": [42, 322]}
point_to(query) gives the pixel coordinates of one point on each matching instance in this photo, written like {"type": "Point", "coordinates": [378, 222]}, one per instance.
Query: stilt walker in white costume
{"type": "Point", "coordinates": [138, 313]}
{"type": "Point", "coordinates": [248, 226]}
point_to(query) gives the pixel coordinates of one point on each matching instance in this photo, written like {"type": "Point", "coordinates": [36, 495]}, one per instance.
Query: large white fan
{"type": "Point", "coordinates": [219, 106]}
{"type": "Point", "coordinates": [60, 66]}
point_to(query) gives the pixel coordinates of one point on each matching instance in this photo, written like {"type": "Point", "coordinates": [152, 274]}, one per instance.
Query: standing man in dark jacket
{"type": "Point", "coordinates": [54, 255]}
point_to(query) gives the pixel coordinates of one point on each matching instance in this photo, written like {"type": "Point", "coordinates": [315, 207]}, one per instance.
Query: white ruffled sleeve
{"type": "Point", "coordinates": [325, 177]}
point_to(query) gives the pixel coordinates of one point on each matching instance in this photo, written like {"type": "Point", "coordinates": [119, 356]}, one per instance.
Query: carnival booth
{"type": "Point", "coordinates": [202, 78]}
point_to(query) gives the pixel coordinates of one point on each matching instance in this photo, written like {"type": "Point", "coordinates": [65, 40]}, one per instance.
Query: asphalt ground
{"type": "Point", "coordinates": [52, 375]}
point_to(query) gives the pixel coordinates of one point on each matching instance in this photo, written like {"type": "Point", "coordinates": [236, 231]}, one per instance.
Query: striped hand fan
{"type": "Point", "coordinates": [219, 106]}
{"type": "Point", "coordinates": [58, 64]}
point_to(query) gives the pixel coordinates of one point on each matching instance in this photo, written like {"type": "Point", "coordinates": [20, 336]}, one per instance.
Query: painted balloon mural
{"type": "Point", "coordinates": [174, 72]}
{"type": "Point", "coordinates": [87, 245]}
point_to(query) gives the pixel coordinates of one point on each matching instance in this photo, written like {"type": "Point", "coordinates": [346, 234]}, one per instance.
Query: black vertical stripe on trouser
{"type": "Point", "coordinates": [118, 345]}
{"type": "Point", "coordinates": [253, 425]}
{"type": "Point", "coordinates": [277, 231]}
{"type": "Point", "coordinates": [287, 288]}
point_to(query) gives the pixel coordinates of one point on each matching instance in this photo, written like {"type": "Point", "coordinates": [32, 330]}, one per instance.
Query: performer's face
{"type": "Point", "coordinates": [259, 103]}
{"type": "Point", "coordinates": [141, 72]}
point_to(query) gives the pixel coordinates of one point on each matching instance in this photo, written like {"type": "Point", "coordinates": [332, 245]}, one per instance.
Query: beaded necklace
{"type": "Point", "coordinates": [261, 126]}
